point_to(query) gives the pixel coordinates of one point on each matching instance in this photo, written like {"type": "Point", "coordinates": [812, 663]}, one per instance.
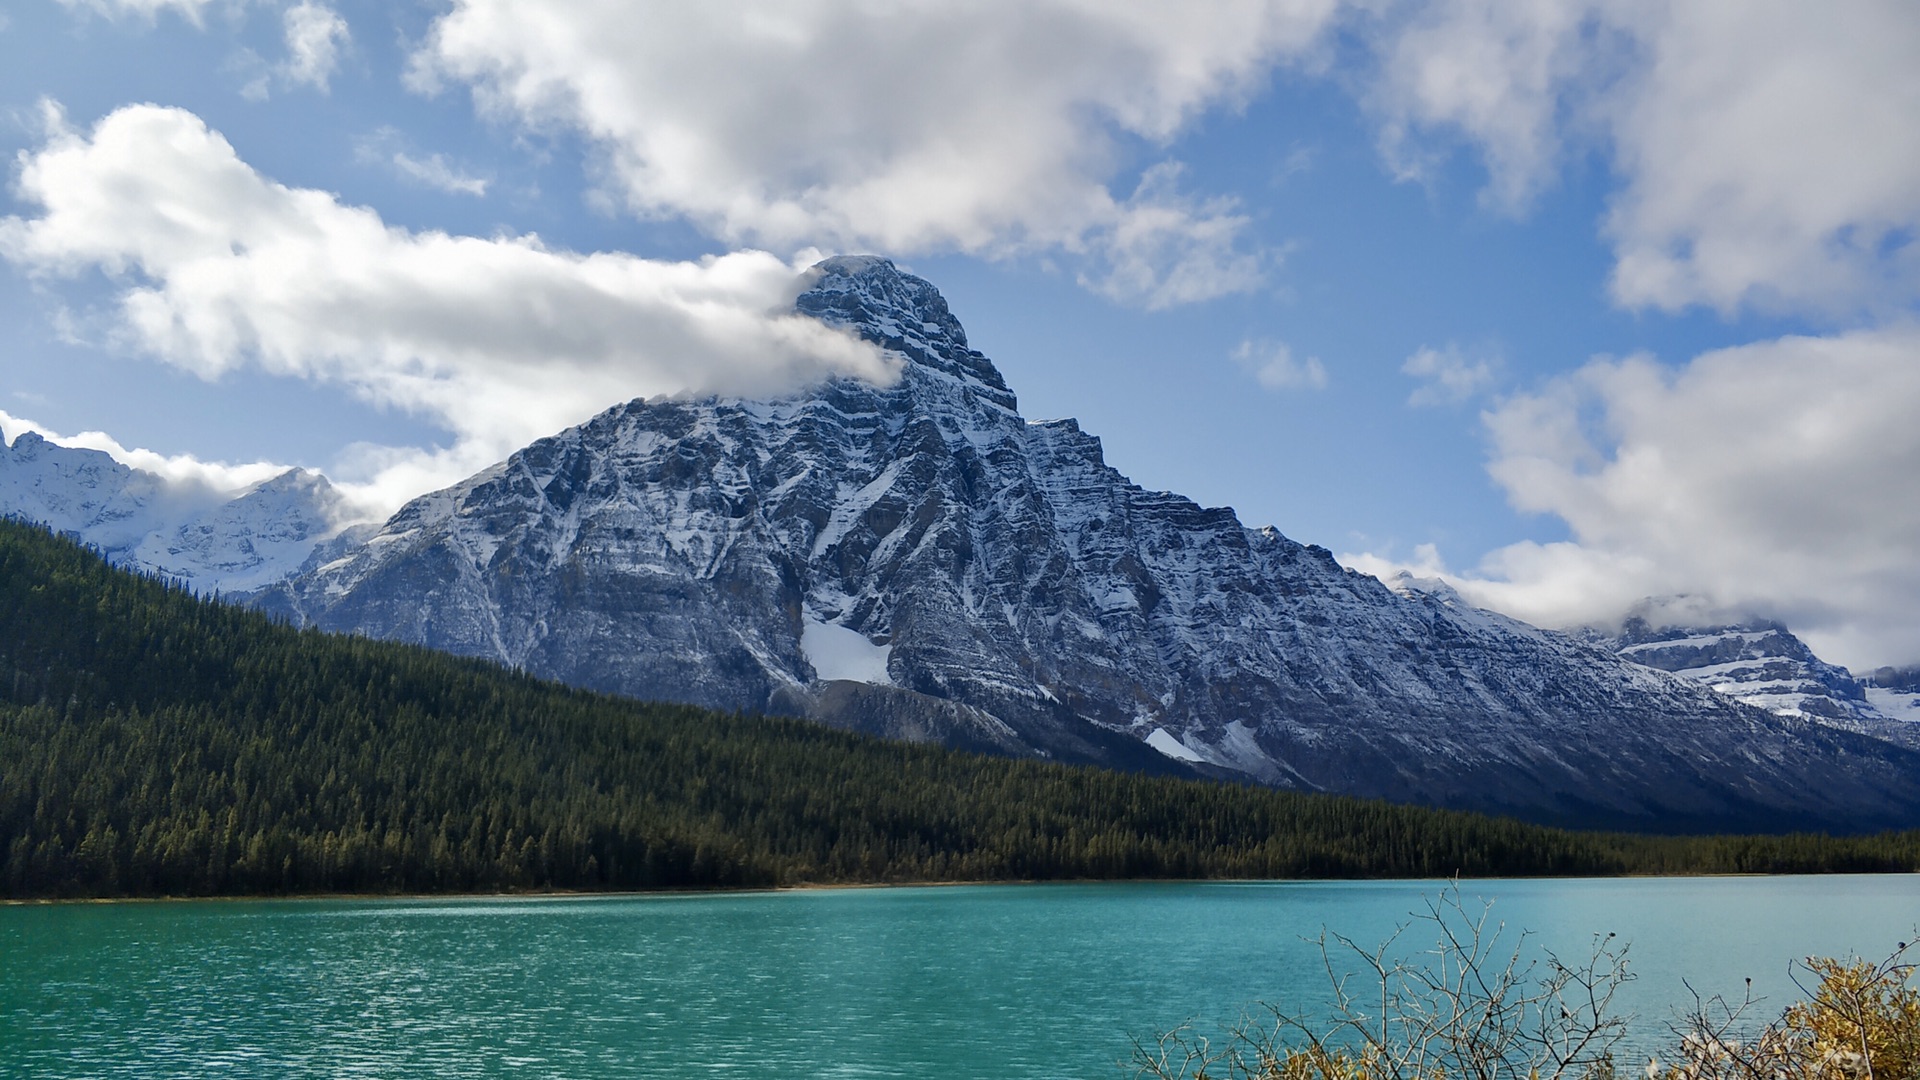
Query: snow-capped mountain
{"type": "Point", "coordinates": [918, 560]}
{"type": "Point", "coordinates": [215, 541]}
{"type": "Point", "coordinates": [1761, 663]}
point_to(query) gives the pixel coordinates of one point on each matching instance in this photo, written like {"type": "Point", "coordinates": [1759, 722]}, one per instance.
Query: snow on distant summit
{"type": "Point", "coordinates": [216, 541]}
{"type": "Point", "coordinates": [90, 495]}
{"type": "Point", "coordinates": [1758, 662]}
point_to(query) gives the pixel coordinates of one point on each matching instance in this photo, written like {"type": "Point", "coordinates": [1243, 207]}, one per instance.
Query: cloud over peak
{"type": "Point", "coordinates": [499, 340]}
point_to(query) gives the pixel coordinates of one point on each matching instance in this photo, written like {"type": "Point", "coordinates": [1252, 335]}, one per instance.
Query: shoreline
{"type": "Point", "coordinates": [546, 894]}
{"type": "Point", "coordinates": [611, 894]}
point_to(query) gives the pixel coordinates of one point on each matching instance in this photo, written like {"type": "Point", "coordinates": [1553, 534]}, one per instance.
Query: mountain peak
{"type": "Point", "coordinates": [27, 444]}
{"type": "Point", "coordinates": [868, 291]}
{"type": "Point", "coordinates": [898, 311]}
{"type": "Point", "coordinates": [294, 480]}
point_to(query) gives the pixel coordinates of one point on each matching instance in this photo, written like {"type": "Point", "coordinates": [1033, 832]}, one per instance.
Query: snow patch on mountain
{"type": "Point", "coordinates": [836, 652]}
{"type": "Point", "coordinates": [1164, 742]}
{"type": "Point", "coordinates": [1900, 705]}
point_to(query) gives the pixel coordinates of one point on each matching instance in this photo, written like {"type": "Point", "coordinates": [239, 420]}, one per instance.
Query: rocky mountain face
{"type": "Point", "coordinates": [215, 541]}
{"type": "Point", "coordinates": [1762, 663]}
{"type": "Point", "coordinates": [918, 560]}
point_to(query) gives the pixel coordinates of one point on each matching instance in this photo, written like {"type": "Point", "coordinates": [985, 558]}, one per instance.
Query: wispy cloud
{"type": "Point", "coordinates": [1167, 248]}
{"type": "Point", "coordinates": [387, 147]}
{"type": "Point", "coordinates": [1273, 365]}
{"type": "Point", "coordinates": [435, 172]}
{"type": "Point", "coordinates": [315, 34]}
{"type": "Point", "coordinates": [146, 9]}
{"type": "Point", "coordinates": [1300, 159]}
{"type": "Point", "coordinates": [184, 470]}
{"type": "Point", "coordinates": [1449, 375]}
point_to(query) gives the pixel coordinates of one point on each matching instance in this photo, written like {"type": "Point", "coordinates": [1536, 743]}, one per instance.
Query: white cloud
{"type": "Point", "coordinates": [1450, 375]}
{"type": "Point", "coordinates": [1272, 365]}
{"type": "Point", "coordinates": [987, 128]}
{"type": "Point", "coordinates": [498, 340]}
{"type": "Point", "coordinates": [1772, 156]}
{"type": "Point", "coordinates": [1763, 149]}
{"type": "Point", "coordinates": [1166, 249]}
{"type": "Point", "coordinates": [315, 34]}
{"type": "Point", "coordinates": [1496, 71]}
{"type": "Point", "coordinates": [1779, 479]}
{"type": "Point", "coordinates": [1426, 563]}
{"type": "Point", "coordinates": [1766, 148]}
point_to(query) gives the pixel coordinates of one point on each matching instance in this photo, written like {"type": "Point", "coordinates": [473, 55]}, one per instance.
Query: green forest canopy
{"type": "Point", "coordinates": [155, 743]}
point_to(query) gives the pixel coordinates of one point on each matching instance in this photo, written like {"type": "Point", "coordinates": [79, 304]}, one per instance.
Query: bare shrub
{"type": "Point", "coordinates": [1472, 1007]}
{"type": "Point", "coordinates": [1860, 1021]}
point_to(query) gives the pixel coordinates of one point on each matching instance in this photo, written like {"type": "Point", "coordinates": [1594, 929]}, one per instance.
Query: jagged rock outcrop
{"type": "Point", "coordinates": [920, 561]}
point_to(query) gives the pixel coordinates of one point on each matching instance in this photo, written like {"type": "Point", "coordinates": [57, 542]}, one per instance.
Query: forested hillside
{"type": "Point", "coordinates": [154, 743]}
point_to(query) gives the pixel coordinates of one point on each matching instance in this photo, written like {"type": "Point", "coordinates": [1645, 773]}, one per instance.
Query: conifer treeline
{"type": "Point", "coordinates": [152, 743]}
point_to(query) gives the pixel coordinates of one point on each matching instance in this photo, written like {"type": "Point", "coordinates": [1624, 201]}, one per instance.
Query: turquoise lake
{"type": "Point", "coordinates": [987, 981]}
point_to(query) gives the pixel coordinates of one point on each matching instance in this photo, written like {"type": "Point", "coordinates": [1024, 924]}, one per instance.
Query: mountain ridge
{"type": "Point", "coordinates": [1760, 662]}
{"type": "Point", "coordinates": [1023, 596]}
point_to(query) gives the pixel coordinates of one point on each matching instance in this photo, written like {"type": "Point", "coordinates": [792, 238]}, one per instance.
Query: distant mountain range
{"type": "Point", "coordinates": [918, 560]}
{"type": "Point", "coordinates": [214, 541]}
{"type": "Point", "coordinates": [1762, 663]}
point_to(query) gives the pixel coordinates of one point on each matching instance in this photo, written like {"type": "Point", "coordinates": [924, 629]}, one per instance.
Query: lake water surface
{"type": "Point", "coordinates": [987, 981]}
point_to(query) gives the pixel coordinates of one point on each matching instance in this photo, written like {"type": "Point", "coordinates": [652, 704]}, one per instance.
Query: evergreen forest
{"type": "Point", "coordinates": [154, 743]}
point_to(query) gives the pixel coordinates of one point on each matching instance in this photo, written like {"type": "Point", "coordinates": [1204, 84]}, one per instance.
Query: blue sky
{"type": "Point", "coordinates": [1570, 303]}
